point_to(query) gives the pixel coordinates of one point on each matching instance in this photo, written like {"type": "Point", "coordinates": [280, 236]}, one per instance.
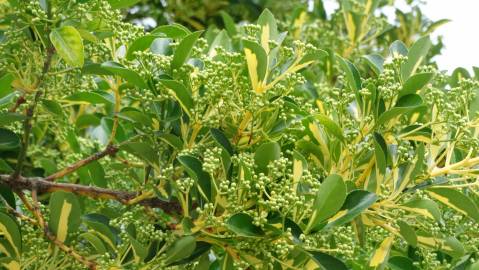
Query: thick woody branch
{"type": "Point", "coordinates": [124, 197]}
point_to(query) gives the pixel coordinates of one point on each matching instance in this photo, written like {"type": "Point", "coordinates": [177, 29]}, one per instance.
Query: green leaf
{"type": "Point", "coordinates": [95, 241]}
{"type": "Point", "coordinates": [139, 250]}
{"type": "Point", "coordinates": [356, 202]}
{"type": "Point", "coordinates": [242, 224]}
{"type": "Point", "coordinates": [10, 263]}
{"type": "Point", "coordinates": [408, 233]}
{"type": "Point", "coordinates": [181, 93]}
{"type": "Point", "coordinates": [257, 61]}
{"type": "Point", "coordinates": [229, 23]}
{"type": "Point", "coordinates": [88, 98]}
{"type": "Point", "coordinates": [221, 40]}
{"type": "Point", "coordinates": [142, 150]}
{"type": "Point", "coordinates": [129, 75]}
{"type": "Point", "coordinates": [424, 207]}
{"type": "Point", "coordinates": [352, 74]}
{"type": "Point", "coordinates": [6, 85]}
{"type": "Point", "coordinates": [122, 3]}
{"type": "Point", "coordinates": [330, 126]}
{"type": "Point", "coordinates": [269, 28]}
{"type": "Point", "coordinates": [7, 193]}
{"type": "Point", "coordinates": [266, 153]}
{"type": "Point", "coordinates": [417, 53]}
{"type": "Point", "coordinates": [172, 31]}
{"type": "Point", "coordinates": [69, 45]}
{"type": "Point", "coordinates": [52, 107]}
{"type": "Point", "coordinates": [201, 248]}
{"type": "Point", "coordinates": [381, 152]}
{"type": "Point", "coordinates": [180, 249]}
{"type": "Point", "coordinates": [64, 214]}
{"type": "Point", "coordinates": [327, 262]}
{"type": "Point", "coordinates": [375, 62]}
{"type": "Point", "coordinates": [194, 168]}
{"type": "Point", "coordinates": [140, 44]}
{"type": "Point", "coordinates": [8, 140]}
{"type": "Point", "coordinates": [415, 83]}
{"type": "Point", "coordinates": [405, 104]}
{"type": "Point", "coordinates": [172, 140]}
{"type": "Point", "coordinates": [222, 140]}
{"type": "Point", "coordinates": [10, 231]}
{"type": "Point", "coordinates": [184, 49]}
{"type": "Point", "coordinates": [401, 263]}
{"type": "Point", "coordinates": [448, 245]}
{"type": "Point", "coordinates": [381, 254]}
{"type": "Point", "coordinates": [456, 200]}
{"type": "Point", "coordinates": [398, 48]}
{"type": "Point", "coordinates": [329, 199]}
{"type": "Point", "coordinates": [7, 118]}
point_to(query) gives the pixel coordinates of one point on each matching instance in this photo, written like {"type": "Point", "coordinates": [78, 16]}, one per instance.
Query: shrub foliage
{"type": "Point", "coordinates": [313, 141]}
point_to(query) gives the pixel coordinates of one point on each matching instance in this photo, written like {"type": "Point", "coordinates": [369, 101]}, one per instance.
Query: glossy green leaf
{"type": "Point", "coordinates": [242, 224]}
{"type": "Point", "coordinates": [375, 62]}
{"type": "Point", "coordinates": [142, 150]}
{"type": "Point", "coordinates": [456, 200]}
{"type": "Point", "coordinates": [416, 55]}
{"type": "Point", "coordinates": [398, 48]}
{"type": "Point", "coordinates": [172, 31]}
{"type": "Point", "coordinates": [140, 44]}
{"type": "Point", "coordinates": [6, 85]}
{"type": "Point", "coordinates": [7, 118]}
{"type": "Point", "coordinates": [64, 214]}
{"type": "Point", "coordinates": [53, 107]}
{"type": "Point", "coordinates": [229, 23]}
{"type": "Point", "coordinates": [330, 125]}
{"type": "Point", "coordinates": [352, 74]}
{"type": "Point", "coordinates": [8, 140]}
{"type": "Point", "coordinates": [380, 152]}
{"type": "Point", "coordinates": [181, 93]}
{"type": "Point", "coordinates": [88, 98]}
{"type": "Point", "coordinates": [194, 168]}
{"type": "Point", "coordinates": [408, 233]}
{"type": "Point", "coordinates": [404, 105]}
{"type": "Point", "coordinates": [184, 49]}
{"type": "Point", "coordinates": [415, 83]}
{"type": "Point", "coordinates": [266, 153]}
{"type": "Point", "coordinates": [122, 3]}
{"type": "Point", "coordinates": [221, 139]}
{"type": "Point", "coordinates": [95, 242]}
{"type": "Point", "coordinates": [424, 207]}
{"type": "Point", "coordinates": [180, 249]}
{"type": "Point", "coordinates": [129, 75]}
{"type": "Point", "coordinates": [401, 263]}
{"type": "Point", "coordinates": [327, 262]}
{"type": "Point", "coordinates": [69, 45]}
{"type": "Point", "coordinates": [356, 202]}
{"type": "Point", "coordinates": [257, 61]}
{"type": "Point", "coordinates": [10, 231]}
{"type": "Point", "coordinates": [329, 199]}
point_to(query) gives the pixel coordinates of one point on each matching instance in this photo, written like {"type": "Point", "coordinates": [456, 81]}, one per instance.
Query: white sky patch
{"type": "Point", "coordinates": [460, 36]}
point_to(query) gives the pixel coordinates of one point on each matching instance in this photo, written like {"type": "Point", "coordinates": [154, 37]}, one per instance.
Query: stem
{"type": "Point", "coordinates": [27, 124]}
{"type": "Point", "coordinates": [109, 150]}
{"type": "Point", "coordinates": [41, 185]}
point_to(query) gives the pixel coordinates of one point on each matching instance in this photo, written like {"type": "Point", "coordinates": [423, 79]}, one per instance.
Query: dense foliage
{"type": "Point", "coordinates": [305, 141]}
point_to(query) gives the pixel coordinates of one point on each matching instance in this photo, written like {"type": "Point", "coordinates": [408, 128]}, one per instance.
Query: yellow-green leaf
{"type": "Point", "coordinates": [64, 214]}
{"type": "Point", "coordinates": [69, 45]}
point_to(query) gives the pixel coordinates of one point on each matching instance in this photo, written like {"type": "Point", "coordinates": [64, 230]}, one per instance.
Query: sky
{"type": "Point", "coordinates": [460, 36]}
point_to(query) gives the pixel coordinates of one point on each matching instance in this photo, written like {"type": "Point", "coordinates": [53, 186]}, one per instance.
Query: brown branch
{"type": "Point", "coordinates": [109, 150]}
{"type": "Point", "coordinates": [124, 197]}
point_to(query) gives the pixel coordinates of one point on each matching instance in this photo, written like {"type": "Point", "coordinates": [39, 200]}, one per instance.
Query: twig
{"type": "Point", "coordinates": [124, 197]}
{"type": "Point", "coordinates": [27, 123]}
{"type": "Point", "coordinates": [109, 150]}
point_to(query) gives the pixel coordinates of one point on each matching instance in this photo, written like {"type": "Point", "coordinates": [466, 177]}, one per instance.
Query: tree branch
{"type": "Point", "coordinates": [109, 150]}
{"type": "Point", "coordinates": [124, 197]}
